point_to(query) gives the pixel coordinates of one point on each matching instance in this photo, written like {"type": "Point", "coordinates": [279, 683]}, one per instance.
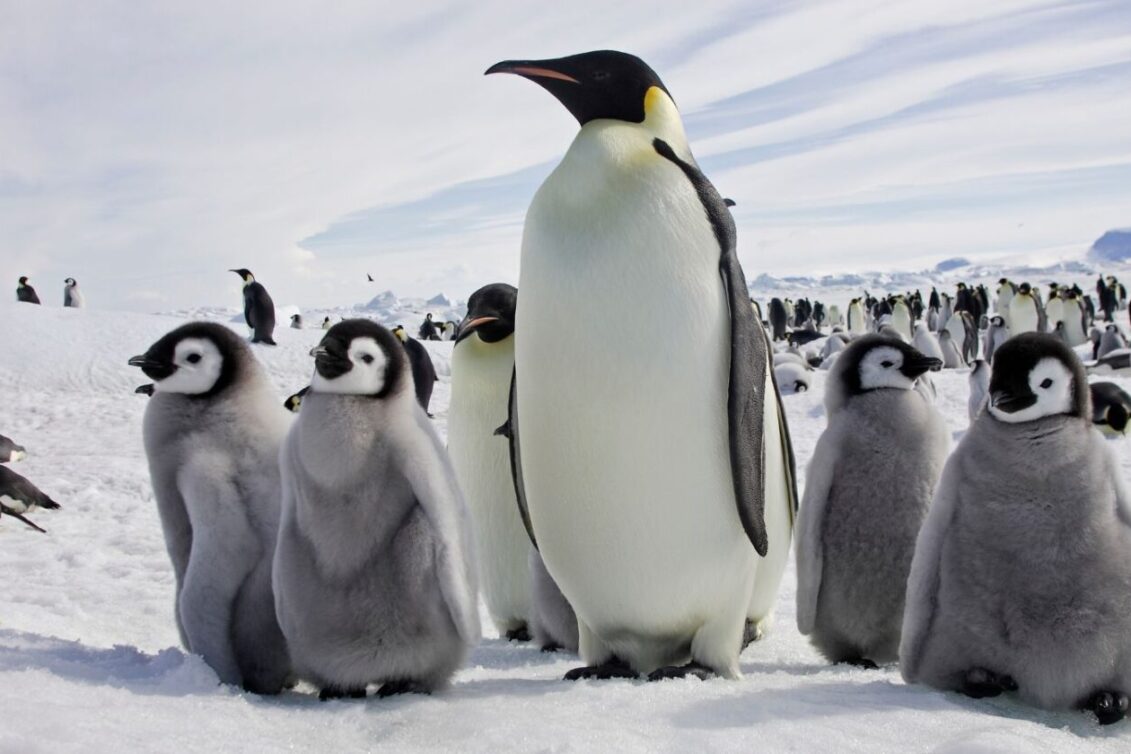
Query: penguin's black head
{"type": "Point", "coordinates": [200, 359]}
{"type": "Point", "coordinates": [358, 357]}
{"type": "Point", "coordinates": [490, 313]}
{"type": "Point", "coordinates": [70, 282]}
{"type": "Point", "coordinates": [1024, 288]}
{"type": "Point", "coordinates": [1037, 375]}
{"type": "Point", "coordinates": [23, 280]}
{"type": "Point", "coordinates": [604, 84]}
{"type": "Point", "coordinates": [997, 320]}
{"type": "Point", "coordinates": [873, 362]}
{"type": "Point", "coordinates": [244, 273]}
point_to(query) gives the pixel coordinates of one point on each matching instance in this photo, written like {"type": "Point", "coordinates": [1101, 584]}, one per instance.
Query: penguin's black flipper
{"type": "Point", "coordinates": [20, 517]}
{"type": "Point", "coordinates": [749, 363]}
{"type": "Point", "coordinates": [509, 430]}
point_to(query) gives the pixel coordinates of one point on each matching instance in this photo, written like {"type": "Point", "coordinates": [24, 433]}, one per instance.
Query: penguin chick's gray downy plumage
{"type": "Point", "coordinates": [72, 296]}
{"type": "Point", "coordinates": [996, 334]}
{"type": "Point", "coordinates": [374, 577]}
{"type": "Point", "coordinates": [10, 451]}
{"type": "Point", "coordinates": [212, 434]}
{"type": "Point", "coordinates": [1110, 340]}
{"type": "Point", "coordinates": [258, 308]}
{"type": "Point", "coordinates": [870, 482]}
{"type": "Point", "coordinates": [792, 377]}
{"type": "Point", "coordinates": [979, 388]}
{"type": "Point", "coordinates": [952, 357]}
{"type": "Point", "coordinates": [1022, 572]}
{"type": "Point", "coordinates": [423, 371]}
{"type": "Point", "coordinates": [19, 496]}
{"type": "Point", "coordinates": [25, 293]}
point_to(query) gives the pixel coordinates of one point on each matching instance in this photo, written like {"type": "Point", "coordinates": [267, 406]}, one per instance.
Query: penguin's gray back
{"type": "Point", "coordinates": [259, 311]}
{"type": "Point", "coordinates": [885, 450]}
{"type": "Point", "coordinates": [356, 574]}
{"type": "Point", "coordinates": [1031, 534]}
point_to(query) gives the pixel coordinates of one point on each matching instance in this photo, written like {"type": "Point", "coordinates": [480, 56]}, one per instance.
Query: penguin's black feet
{"type": "Point", "coordinates": [521, 633]}
{"type": "Point", "coordinates": [393, 688]}
{"type": "Point", "coordinates": [333, 692]}
{"type": "Point", "coordinates": [552, 646]}
{"type": "Point", "coordinates": [980, 683]}
{"type": "Point", "coordinates": [693, 669]}
{"type": "Point", "coordinates": [750, 633]}
{"type": "Point", "coordinates": [614, 667]}
{"type": "Point", "coordinates": [860, 662]}
{"type": "Point", "coordinates": [1108, 706]}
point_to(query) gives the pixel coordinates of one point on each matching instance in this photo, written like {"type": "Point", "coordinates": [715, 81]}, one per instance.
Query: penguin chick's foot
{"type": "Point", "coordinates": [1108, 706]}
{"type": "Point", "coordinates": [980, 683]}
{"type": "Point", "coordinates": [393, 688]}
{"type": "Point", "coordinates": [860, 662]}
{"type": "Point", "coordinates": [614, 667]}
{"type": "Point", "coordinates": [521, 633]}
{"type": "Point", "coordinates": [751, 633]}
{"type": "Point", "coordinates": [333, 692]}
{"type": "Point", "coordinates": [693, 668]}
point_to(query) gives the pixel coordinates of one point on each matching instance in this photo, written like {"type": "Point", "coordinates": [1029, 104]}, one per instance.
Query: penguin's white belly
{"type": "Point", "coordinates": [1022, 315]}
{"type": "Point", "coordinates": [624, 438]}
{"type": "Point", "coordinates": [1054, 312]}
{"type": "Point", "coordinates": [481, 376]}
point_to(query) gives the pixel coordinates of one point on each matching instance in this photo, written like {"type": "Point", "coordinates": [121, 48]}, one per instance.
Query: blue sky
{"type": "Point", "coordinates": [146, 150]}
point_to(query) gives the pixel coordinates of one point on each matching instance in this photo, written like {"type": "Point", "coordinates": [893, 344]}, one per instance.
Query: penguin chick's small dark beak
{"type": "Point", "coordinates": [1010, 403]}
{"type": "Point", "coordinates": [154, 369]}
{"type": "Point", "coordinates": [318, 351]}
{"type": "Point", "coordinates": [529, 69]}
{"type": "Point", "coordinates": [913, 366]}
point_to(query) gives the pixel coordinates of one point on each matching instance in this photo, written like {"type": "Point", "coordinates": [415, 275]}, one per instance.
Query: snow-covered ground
{"type": "Point", "coordinates": [89, 656]}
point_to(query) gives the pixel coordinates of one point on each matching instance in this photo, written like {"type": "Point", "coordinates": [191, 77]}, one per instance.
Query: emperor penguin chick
{"type": "Point", "coordinates": [1022, 573]}
{"type": "Point", "coordinates": [212, 433]}
{"type": "Point", "coordinates": [374, 578]}
{"type": "Point", "coordinates": [870, 482]}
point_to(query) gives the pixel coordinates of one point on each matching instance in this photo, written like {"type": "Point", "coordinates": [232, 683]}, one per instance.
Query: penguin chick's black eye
{"type": "Point", "coordinates": [367, 359]}
{"type": "Point", "coordinates": [1046, 383]}
{"type": "Point", "coordinates": [886, 364]}
{"type": "Point", "coordinates": [193, 358]}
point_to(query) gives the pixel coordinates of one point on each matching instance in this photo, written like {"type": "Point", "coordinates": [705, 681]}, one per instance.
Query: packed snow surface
{"type": "Point", "coordinates": [90, 661]}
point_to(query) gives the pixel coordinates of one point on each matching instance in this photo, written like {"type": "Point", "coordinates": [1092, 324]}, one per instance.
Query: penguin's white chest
{"type": "Point", "coordinates": [622, 352]}
{"type": "Point", "coordinates": [1023, 315]}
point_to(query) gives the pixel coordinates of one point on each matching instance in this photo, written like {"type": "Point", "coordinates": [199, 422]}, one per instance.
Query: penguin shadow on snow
{"type": "Point", "coordinates": [169, 672]}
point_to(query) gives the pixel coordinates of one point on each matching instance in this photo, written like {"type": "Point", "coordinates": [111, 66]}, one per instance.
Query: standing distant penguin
{"type": "Point", "coordinates": [326, 324]}
{"type": "Point", "coordinates": [1005, 291]}
{"type": "Point", "coordinates": [624, 452]}
{"type": "Point", "coordinates": [857, 322]}
{"type": "Point", "coordinates": [482, 366]}
{"type": "Point", "coordinates": [778, 318]}
{"type": "Point", "coordinates": [423, 371]}
{"type": "Point", "coordinates": [1025, 312]}
{"type": "Point", "coordinates": [10, 452]}
{"type": "Point", "coordinates": [1022, 572]}
{"type": "Point", "coordinates": [996, 334]}
{"type": "Point", "coordinates": [1110, 340]}
{"type": "Point", "coordinates": [18, 496]}
{"type": "Point", "coordinates": [374, 573]}
{"type": "Point", "coordinates": [926, 342]}
{"type": "Point", "coordinates": [296, 321]}
{"type": "Point", "coordinates": [428, 328]}
{"type": "Point", "coordinates": [1111, 408]}
{"type": "Point", "coordinates": [72, 296]}
{"type": "Point", "coordinates": [951, 357]}
{"type": "Point", "coordinates": [901, 318]}
{"type": "Point", "coordinates": [979, 388]}
{"type": "Point", "coordinates": [25, 293]}
{"type": "Point", "coordinates": [869, 485]}
{"type": "Point", "coordinates": [212, 434]}
{"type": "Point", "coordinates": [258, 308]}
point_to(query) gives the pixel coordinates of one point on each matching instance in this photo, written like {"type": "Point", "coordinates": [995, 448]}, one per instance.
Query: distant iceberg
{"type": "Point", "coordinates": [1113, 246]}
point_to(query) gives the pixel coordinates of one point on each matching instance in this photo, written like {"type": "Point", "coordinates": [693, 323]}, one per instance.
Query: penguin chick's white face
{"type": "Point", "coordinates": [1051, 384]}
{"type": "Point", "coordinates": [880, 368]}
{"type": "Point", "coordinates": [366, 373]}
{"type": "Point", "coordinates": [198, 365]}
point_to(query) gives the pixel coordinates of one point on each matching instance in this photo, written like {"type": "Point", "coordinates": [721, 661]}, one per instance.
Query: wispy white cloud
{"type": "Point", "coordinates": [152, 148]}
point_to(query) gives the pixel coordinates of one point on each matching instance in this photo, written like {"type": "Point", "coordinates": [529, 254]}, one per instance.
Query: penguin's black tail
{"type": "Point", "coordinates": [48, 504]}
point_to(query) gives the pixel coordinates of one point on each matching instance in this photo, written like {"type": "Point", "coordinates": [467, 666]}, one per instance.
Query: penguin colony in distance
{"type": "Point", "coordinates": [869, 485]}
{"type": "Point", "coordinates": [1022, 573]}
{"type": "Point", "coordinates": [423, 371]}
{"type": "Point", "coordinates": [662, 543]}
{"type": "Point", "coordinates": [212, 434]}
{"type": "Point", "coordinates": [72, 296]}
{"type": "Point", "coordinates": [374, 573]}
{"type": "Point", "coordinates": [258, 308]}
{"type": "Point", "coordinates": [25, 293]}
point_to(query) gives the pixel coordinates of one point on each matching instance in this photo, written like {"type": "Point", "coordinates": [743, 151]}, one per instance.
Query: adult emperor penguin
{"type": "Point", "coordinates": [659, 482]}
{"type": "Point", "coordinates": [1075, 319]}
{"type": "Point", "coordinates": [870, 482]}
{"type": "Point", "coordinates": [25, 293]}
{"type": "Point", "coordinates": [18, 496]}
{"type": "Point", "coordinates": [901, 318]}
{"type": "Point", "coordinates": [1111, 408]}
{"type": "Point", "coordinates": [778, 318]}
{"type": "Point", "coordinates": [1024, 311]}
{"type": "Point", "coordinates": [72, 296]}
{"type": "Point", "coordinates": [1022, 571]}
{"type": "Point", "coordinates": [857, 323]}
{"type": "Point", "coordinates": [258, 308]}
{"type": "Point", "coordinates": [482, 366]}
{"type": "Point", "coordinates": [996, 334]}
{"type": "Point", "coordinates": [423, 370]}
{"type": "Point", "coordinates": [374, 573]}
{"type": "Point", "coordinates": [10, 452]}
{"type": "Point", "coordinates": [212, 434]}
{"type": "Point", "coordinates": [1005, 291]}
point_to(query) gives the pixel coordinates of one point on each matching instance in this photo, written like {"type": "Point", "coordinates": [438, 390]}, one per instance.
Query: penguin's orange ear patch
{"type": "Point", "coordinates": [652, 99]}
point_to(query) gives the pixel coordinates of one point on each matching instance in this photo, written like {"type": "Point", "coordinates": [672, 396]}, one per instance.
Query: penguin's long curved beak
{"type": "Point", "coordinates": [470, 324]}
{"type": "Point", "coordinates": [531, 69]}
